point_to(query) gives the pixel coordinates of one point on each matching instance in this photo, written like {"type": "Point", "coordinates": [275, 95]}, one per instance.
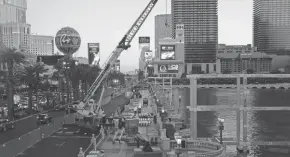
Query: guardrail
{"type": "Point", "coordinates": [213, 149]}
{"type": "Point", "coordinates": [24, 142]}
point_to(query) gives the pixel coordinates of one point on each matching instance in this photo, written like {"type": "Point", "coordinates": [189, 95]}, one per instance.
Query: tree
{"type": "Point", "coordinates": [226, 71]}
{"type": "Point", "coordinates": [183, 75]}
{"type": "Point", "coordinates": [10, 57]}
{"type": "Point", "coordinates": [140, 75]}
{"type": "Point", "coordinates": [29, 77]}
{"type": "Point", "coordinates": [250, 71]}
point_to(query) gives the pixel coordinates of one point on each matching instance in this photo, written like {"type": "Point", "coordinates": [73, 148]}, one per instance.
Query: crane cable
{"type": "Point", "coordinates": [166, 21]}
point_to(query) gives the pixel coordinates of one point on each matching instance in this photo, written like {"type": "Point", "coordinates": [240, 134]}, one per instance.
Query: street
{"type": "Point", "coordinates": [57, 147]}
{"type": "Point", "coordinates": [24, 126]}
{"type": "Point", "coordinates": [28, 124]}
{"type": "Point", "coordinates": [68, 146]}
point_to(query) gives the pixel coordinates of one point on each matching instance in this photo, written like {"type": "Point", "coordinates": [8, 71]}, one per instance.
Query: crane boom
{"type": "Point", "coordinates": [124, 44]}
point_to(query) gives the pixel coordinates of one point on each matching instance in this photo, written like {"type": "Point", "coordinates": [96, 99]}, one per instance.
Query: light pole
{"type": "Point", "coordinates": [221, 128]}
{"type": "Point", "coordinates": [178, 139]}
{"type": "Point", "coordinates": [179, 98]}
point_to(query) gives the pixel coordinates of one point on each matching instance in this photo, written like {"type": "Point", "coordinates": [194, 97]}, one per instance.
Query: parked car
{"type": "Point", "coordinates": [43, 119]}
{"type": "Point", "coordinates": [59, 107]}
{"type": "Point", "coordinates": [6, 124]}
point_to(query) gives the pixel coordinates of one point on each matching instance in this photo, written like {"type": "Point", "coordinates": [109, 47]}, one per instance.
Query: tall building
{"type": "Point", "coordinates": [271, 26]}
{"type": "Point", "coordinates": [200, 21]}
{"type": "Point", "coordinates": [145, 52]}
{"type": "Point", "coordinates": [13, 11]}
{"type": "Point", "coordinates": [223, 48]}
{"type": "Point", "coordinates": [42, 45]}
{"type": "Point", "coordinates": [162, 29]}
{"type": "Point", "coordinates": [16, 35]}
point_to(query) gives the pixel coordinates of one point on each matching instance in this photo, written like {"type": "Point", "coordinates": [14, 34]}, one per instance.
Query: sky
{"type": "Point", "coordinates": [106, 22]}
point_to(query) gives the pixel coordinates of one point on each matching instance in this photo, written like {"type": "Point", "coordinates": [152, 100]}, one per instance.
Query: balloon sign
{"type": "Point", "coordinates": [67, 40]}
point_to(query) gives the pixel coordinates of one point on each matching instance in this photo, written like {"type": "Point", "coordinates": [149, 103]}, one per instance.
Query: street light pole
{"type": "Point", "coordinates": [178, 139]}
{"type": "Point", "coordinates": [221, 128]}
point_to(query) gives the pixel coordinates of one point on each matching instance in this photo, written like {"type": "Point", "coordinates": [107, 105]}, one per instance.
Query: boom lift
{"type": "Point", "coordinates": [124, 44]}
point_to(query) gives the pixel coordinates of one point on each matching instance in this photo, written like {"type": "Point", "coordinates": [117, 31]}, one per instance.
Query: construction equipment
{"type": "Point", "coordinates": [118, 135]}
{"type": "Point", "coordinates": [124, 44]}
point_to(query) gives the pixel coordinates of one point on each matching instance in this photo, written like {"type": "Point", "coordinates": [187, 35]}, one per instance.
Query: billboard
{"type": "Point", "coordinates": [148, 56]}
{"type": "Point", "coordinates": [117, 66]}
{"type": "Point", "coordinates": [167, 52]}
{"type": "Point", "coordinates": [49, 60]}
{"type": "Point", "coordinates": [144, 47]}
{"type": "Point", "coordinates": [173, 68]}
{"type": "Point", "coordinates": [144, 40]}
{"type": "Point", "coordinates": [94, 53]}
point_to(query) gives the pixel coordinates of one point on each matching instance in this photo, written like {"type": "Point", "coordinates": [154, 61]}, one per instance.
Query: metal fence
{"type": "Point", "coordinates": [24, 142]}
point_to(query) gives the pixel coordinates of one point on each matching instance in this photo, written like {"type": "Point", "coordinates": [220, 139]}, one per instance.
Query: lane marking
{"type": "Point", "coordinates": [59, 145]}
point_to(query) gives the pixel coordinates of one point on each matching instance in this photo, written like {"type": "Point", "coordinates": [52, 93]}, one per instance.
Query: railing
{"type": "Point", "coordinates": [213, 149]}
{"type": "Point", "coordinates": [24, 142]}
{"type": "Point", "coordinates": [277, 85]}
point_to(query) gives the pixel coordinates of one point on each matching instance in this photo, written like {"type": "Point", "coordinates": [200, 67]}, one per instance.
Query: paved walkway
{"type": "Point", "coordinates": [117, 149]}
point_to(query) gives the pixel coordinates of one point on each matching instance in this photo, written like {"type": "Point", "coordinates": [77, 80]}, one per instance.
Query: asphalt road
{"type": "Point", "coordinates": [57, 147]}
{"type": "Point", "coordinates": [28, 124]}
{"type": "Point", "coordinates": [64, 146]}
{"type": "Point", "coordinates": [24, 126]}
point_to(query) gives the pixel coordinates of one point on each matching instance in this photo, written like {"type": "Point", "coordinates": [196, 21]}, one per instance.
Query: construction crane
{"type": "Point", "coordinates": [124, 44]}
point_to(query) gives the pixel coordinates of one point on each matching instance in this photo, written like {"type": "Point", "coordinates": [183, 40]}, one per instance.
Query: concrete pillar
{"type": "Point", "coordinates": [175, 99]}
{"type": "Point", "coordinates": [238, 135]}
{"type": "Point", "coordinates": [163, 133]}
{"type": "Point", "coordinates": [245, 115]}
{"type": "Point", "coordinates": [193, 106]}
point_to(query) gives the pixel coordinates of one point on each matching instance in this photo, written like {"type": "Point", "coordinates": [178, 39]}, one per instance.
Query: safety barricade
{"type": "Point", "coordinates": [24, 142]}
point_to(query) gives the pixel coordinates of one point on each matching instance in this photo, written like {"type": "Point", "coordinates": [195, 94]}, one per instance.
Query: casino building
{"type": "Point", "coordinates": [170, 59]}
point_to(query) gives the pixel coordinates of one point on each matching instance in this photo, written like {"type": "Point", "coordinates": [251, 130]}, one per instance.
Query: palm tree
{"type": "Point", "coordinates": [29, 77]}
{"type": "Point", "coordinates": [10, 57]}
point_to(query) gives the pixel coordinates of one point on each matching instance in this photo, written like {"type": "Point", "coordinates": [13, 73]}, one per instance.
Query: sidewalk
{"type": "Point", "coordinates": [117, 149]}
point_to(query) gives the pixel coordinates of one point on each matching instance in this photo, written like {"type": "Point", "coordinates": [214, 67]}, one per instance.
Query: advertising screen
{"type": "Point", "coordinates": [167, 52]}
{"type": "Point", "coordinates": [148, 56]}
{"type": "Point", "coordinates": [168, 68]}
{"type": "Point", "coordinates": [94, 53]}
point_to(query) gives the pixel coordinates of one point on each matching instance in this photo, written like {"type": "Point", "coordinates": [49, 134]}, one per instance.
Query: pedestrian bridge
{"type": "Point", "coordinates": [260, 86]}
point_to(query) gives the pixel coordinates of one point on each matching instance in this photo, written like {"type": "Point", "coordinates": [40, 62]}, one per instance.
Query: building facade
{"type": "Point", "coordinates": [200, 21]}
{"type": "Point", "coordinates": [16, 35]}
{"type": "Point", "coordinates": [223, 48]}
{"type": "Point", "coordinates": [271, 26]}
{"type": "Point", "coordinates": [241, 62]}
{"type": "Point", "coordinates": [13, 11]}
{"type": "Point", "coordinates": [162, 29]}
{"type": "Point", "coordinates": [42, 45]}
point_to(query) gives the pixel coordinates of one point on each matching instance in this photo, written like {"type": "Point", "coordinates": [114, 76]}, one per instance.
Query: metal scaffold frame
{"type": "Point", "coordinates": [164, 86]}
{"type": "Point", "coordinates": [241, 106]}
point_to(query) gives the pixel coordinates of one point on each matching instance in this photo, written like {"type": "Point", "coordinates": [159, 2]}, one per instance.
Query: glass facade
{"type": "Point", "coordinates": [200, 21]}
{"type": "Point", "coordinates": [271, 32]}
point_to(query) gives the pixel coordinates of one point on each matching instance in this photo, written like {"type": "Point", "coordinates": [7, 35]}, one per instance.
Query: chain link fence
{"type": "Point", "coordinates": [24, 142]}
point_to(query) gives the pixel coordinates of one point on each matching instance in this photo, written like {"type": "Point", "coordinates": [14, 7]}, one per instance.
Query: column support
{"type": "Point", "coordinates": [193, 108]}
{"type": "Point", "coordinates": [238, 114]}
{"type": "Point", "coordinates": [245, 114]}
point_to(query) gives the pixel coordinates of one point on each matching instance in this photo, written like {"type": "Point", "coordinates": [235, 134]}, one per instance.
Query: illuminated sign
{"type": "Point", "coordinates": [167, 52]}
{"type": "Point", "coordinates": [168, 68]}
{"type": "Point", "coordinates": [143, 40]}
